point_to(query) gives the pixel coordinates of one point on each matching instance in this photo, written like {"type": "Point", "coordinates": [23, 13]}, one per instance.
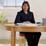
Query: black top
{"type": "Point", "coordinates": [22, 17]}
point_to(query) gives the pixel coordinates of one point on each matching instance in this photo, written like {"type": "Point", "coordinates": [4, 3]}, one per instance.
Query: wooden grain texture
{"type": "Point", "coordinates": [13, 35]}
{"type": "Point", "coordinates": [27, 29]}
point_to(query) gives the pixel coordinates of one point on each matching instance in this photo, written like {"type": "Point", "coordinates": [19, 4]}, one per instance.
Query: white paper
{"type": "Point", "coordinates": [26, 24]}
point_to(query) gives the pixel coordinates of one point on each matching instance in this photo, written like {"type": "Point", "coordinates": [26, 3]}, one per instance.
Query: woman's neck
{"type": "Point", "coordinates": [25, 12]}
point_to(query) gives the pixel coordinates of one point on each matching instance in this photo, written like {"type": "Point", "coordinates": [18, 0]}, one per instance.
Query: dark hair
{"type": "Point", "coordinates": [25, 2]}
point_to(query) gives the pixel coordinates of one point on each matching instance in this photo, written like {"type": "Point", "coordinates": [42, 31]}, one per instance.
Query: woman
{"type": "Point", "coordinates": [26, 15]}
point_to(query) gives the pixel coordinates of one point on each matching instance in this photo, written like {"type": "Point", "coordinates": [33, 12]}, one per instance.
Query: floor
{"type": "Point", "coordinates": [18, 45]}
{"type": "Point", "coordinates": [7, 43]}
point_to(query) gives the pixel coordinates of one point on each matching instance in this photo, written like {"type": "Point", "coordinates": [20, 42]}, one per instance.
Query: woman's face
{"type": "Point", "coordinates": [25, 7]}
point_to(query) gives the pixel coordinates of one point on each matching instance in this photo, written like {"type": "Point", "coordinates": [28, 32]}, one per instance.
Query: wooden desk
{"type": "Point", "coordinates": [14, 28]}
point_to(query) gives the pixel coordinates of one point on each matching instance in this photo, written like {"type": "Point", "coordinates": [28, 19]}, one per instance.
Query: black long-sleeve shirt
{"type": "Point", "coordinates": [22, 17]}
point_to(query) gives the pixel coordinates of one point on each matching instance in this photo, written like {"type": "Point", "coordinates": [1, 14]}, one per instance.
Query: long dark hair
{"type": "Point", "coordinates": [25, 2]}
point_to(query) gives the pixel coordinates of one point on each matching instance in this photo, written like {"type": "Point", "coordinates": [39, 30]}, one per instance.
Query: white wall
{"type": "Point", "coordinates": [37, 6]}
{"type": "Point", "coordinates": [39, 9]}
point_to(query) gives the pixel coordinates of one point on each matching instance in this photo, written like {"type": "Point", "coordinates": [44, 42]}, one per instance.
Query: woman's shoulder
{"type": "Point", "coordinates": [30, 12]}
{"type": "Point", "coordinates": [19, 12]}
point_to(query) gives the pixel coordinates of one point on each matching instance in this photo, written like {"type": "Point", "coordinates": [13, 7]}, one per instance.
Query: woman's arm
{"type": "Point", "coordinates": [33, 20]}
{"type": "Point", "coordinates": [17, 20]}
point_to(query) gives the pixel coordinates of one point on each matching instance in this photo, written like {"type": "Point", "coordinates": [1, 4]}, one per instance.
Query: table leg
{"type": "Point", "coordinates": [13, 34]}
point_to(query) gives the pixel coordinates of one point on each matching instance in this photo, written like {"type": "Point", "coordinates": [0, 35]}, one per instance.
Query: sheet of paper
{"type": "Point", "coordinates": [26, 24]}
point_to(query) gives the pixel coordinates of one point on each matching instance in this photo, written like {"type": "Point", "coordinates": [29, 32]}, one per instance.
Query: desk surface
{"type": "Point", "coordinates": [34, 28]}
{"type": "Point", "coordinates": [12, 27]}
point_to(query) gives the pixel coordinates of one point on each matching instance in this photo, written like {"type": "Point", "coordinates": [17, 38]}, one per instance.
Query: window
{"type": "Point", "coordinates": [11, 2]}
{"type": "Point", "coordinates": [1, 2]}
{"type": "Point", "coordinates": [18, 2]}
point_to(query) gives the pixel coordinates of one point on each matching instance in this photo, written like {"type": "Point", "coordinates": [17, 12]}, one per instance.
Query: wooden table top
{"type": "Point", "coordinates": [26, 28]}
